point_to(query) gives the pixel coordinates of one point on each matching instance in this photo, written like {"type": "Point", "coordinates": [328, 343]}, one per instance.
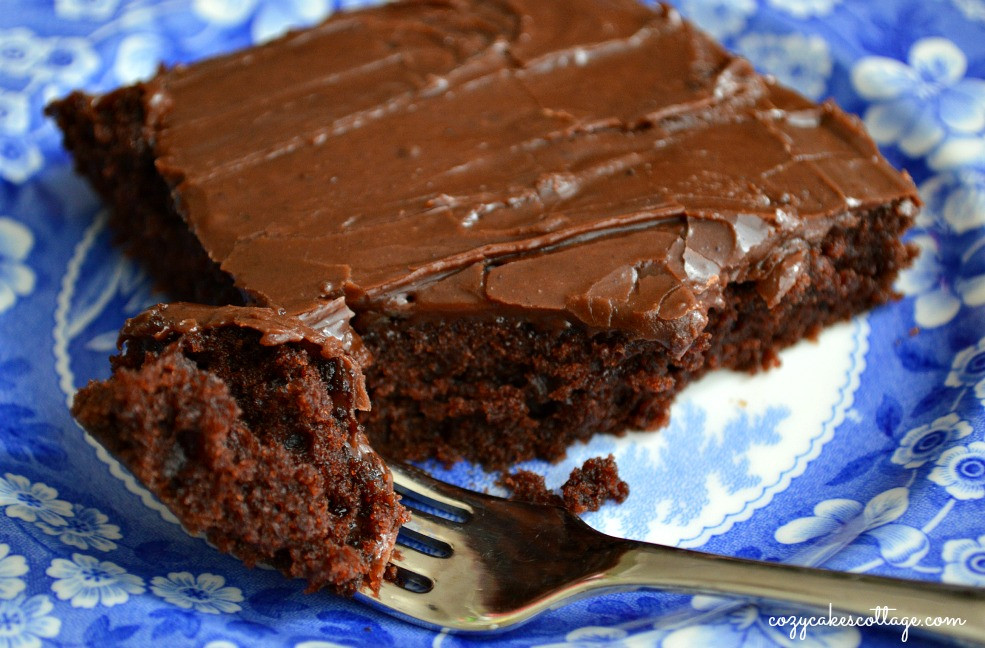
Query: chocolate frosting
{"type": "Point", "coordinates": [571, 161]}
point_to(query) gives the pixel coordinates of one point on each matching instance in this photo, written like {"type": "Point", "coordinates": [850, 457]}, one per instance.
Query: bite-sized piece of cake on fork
{"type": "Point", "coordinates": [242, 422]}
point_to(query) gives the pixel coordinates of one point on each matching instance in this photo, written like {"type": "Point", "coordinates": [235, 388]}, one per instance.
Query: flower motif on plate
{"type": "Point", "coordinates": [968, 369]}
{"type": "Point", "coordinates": [87, 528]}
{"type": "Point", "coordinates": [720, 18]}
{"type": "Point", "coordinates": [16, 277]}
{"type": "Point", "coordinates": [801, 62]}
{"type": "Point", "coordinates": [267, 18]}
{"type": "Point", "coordinates": [206, 593]}
{"type": "Point", "coordinates": [836, 523]}
{"type": "Point", "coordinates": [961, 471]}
{"type": "Point", "coordinates": [917, 105]}
{"type": "Point", "coordinates": [926, 442]}
{"type": "Point", "coordinates": [31, 502]}
{"type": "Point", "coordinates": [12, 567]}
{"type": "Point", "coordinates": [24, 622]}
{"type": "Point", "coordinates": [941, 280]}
{"type": "Point", "coordinates": [805, 8]}
{"type": "Point", "coordinates": [964, 562]}
{"type": "Point", "coordinates": [86, 582]}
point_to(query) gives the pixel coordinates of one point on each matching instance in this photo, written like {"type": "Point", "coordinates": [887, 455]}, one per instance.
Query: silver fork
{"type": "Point", "coordinates": [484, 563]}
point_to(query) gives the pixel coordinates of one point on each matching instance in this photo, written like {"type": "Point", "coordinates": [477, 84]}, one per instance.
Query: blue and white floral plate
{"type": "Point", "coordinates": [865, 452]}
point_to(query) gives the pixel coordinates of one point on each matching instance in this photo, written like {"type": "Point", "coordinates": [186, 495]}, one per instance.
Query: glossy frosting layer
{"type": "Point", "coordinates": [591, 161]}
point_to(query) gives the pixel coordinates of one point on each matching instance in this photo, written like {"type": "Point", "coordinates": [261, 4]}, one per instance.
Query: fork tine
{"type": "Point", "coordinates": [418, 483]}
{"type": "Point", "coordinates": [451, 602]}
{"type": "Point", "coordinates": [420, 563]}
{"type": "Point", "coordinates": [435, 527]}
{"type": "Point", "coordinates": [416, 608]}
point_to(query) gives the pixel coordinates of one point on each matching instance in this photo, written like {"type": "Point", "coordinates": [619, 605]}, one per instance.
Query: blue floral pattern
{"type": "Point", "coordinates": [919, 104]}
{"type": "Point", "coordinates": [23, 437]}
{"type": "Point", "coordinates": [749, 625]}
{"type": "Point", "coordinates": [32, 502]}
{"type": "Point", "coordinates": [805, 8]}
{"type": "Point", "coordinates": [266, 18]}
{"type": "Point", "coordinates": [965, 562]}
{"type": "Point", "coordinates": [940, 284]}
{"type": "Point", "coordinates": [955, 202]}
{"type": "Point", "coordinates": [837, 523]}
{"type": "Point", "coordinates": [720, 18]}
{"type": "Point", "coordinates": [34, 69]}
{"type": "Point", "coordinates": [85, 9]}
{"type": "Point", "coordinates": [16, 241]}
{"type": "Point", "coordinates": [801, 62]}
{"type": "Point", "coordinates": [968, 368]}
{"type": "Point", "coordinates": [961, 471]}
{"type": "Point", "coordinates": [972, 9]}
{"type": "Point", "coordinates": [863, 475]}
{"type": "Point", "coordinates": [925, 443]}
{"type": "Point", "coordinates": [207, 593]}
{"type": "Point", "coordinates": [25, 621]}
{"type": "Point", "coordinates": [12, 567]}
{"type": "Point", "coordinates": [86, 582]}
{"type": "Point", "coordinates": [87, 528]}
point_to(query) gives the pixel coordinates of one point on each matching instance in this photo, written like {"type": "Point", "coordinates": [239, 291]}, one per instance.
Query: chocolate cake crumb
{"type": "Point", "coordinates": [596, 482]}
{"type": "Point", "coordinates": [587, 488]}
{"type": "Point", "coordinates": [528, 486]}
{"type": "Point", "coordinates": [390, 573]}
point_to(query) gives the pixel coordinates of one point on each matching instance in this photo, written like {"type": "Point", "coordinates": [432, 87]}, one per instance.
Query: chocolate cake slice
{"type": "Point", "coordinates": [548, 216]}
{"type": "Point", "coordinates": [242, 422]}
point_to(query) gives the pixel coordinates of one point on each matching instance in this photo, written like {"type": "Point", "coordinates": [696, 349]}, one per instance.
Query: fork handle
{"type": "Point", "coordinates": [856, 594]}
